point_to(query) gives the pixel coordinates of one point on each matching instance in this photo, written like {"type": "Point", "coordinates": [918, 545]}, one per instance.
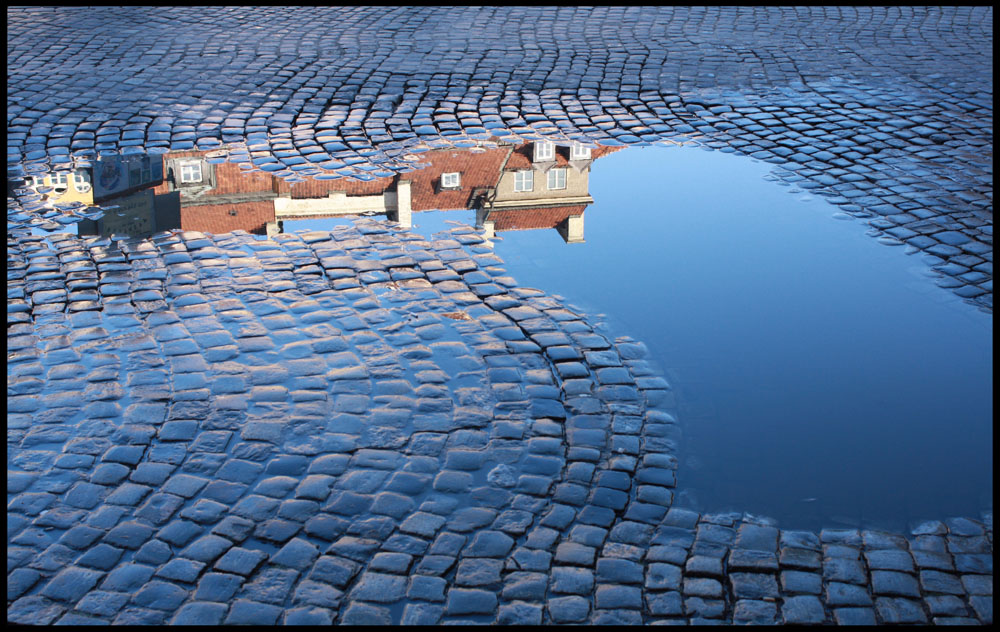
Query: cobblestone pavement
{"type": "Point", "coordinates": [365, 426]}
{"type": "Point", "coordinates": [885, 111]}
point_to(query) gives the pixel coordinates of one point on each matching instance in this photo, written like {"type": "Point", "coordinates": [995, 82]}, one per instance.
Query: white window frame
{"type": "Point", "coordinates": [544, 151]}
{"type": "Point", "coordinates": [59, 180]}
{"type": "Point", "coordinates": [579, 152]}
{"type": "Point", "coordinates": [524, 180]}
{"type": "Point", "coordinates": [451, 180]}
{"type": "Point", "coordinates": [184, 178]}
{"type": "Point", "coordinates": [555, 175]}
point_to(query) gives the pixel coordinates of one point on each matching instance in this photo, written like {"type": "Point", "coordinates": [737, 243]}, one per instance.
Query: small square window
{"type": "Point", "coordinates": [523, 180]}
{"type": "Point", "coordinates": [557, 178]}
{"type": "Point", "coordinates": [544, 151]}
{"type": "Point", "coordinates": [190, 172]}
{"type": "Point", "coordinates": [451, 180]}
{"type": "Point", "coordinates": [59, 180]}
{"type": "Point", "coordinates": [579, 152]}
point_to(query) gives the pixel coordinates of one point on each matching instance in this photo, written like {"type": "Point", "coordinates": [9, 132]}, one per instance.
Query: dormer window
{"type": "Point", "coordinates": [451, 180]}
{"type": "Point", "coordinates": [579, 152]}
{"type": "Point", "coordinates": [190, 172]}
{"type": "Point", "coordinates": [523, 180]}
{"type": "Point", "coordinates": [544, 151]}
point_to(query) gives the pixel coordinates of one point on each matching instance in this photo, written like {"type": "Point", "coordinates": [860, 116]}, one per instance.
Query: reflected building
{"type": "Point", "coordinates": [527, 186]}
{"type": "Point", "coordinates": [541, 185]}
{"type": "Point", "coordinates": [126, 186]}
{"type": "Point", "coordinates": [64, 187]}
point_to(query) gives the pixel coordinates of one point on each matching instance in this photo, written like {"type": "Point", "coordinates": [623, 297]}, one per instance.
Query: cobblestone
{"type": "Point", "coordinates": [252, 432]}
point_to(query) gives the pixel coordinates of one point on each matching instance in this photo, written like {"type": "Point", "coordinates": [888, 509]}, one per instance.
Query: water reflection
{"type": "Point", "coordinates": [820, 378]}
{"type": "Point", "coordinates": [510, 187]}
{"type": "Point", "coordinates": [741, 293]}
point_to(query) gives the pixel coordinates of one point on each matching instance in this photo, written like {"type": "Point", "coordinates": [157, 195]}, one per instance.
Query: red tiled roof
{"type": "Point", "coordinates": [311, 189]}
{"type": "Point", "coordinates": [477, 171]}
{"type": "Point", "coordinates": [532, 217]}
{"type": "Point", "coordinates": [521, 158]}
{"type": "Point", "coordinates": [229, 178]}
{"type": "Point", "coordinates": [215, 218]}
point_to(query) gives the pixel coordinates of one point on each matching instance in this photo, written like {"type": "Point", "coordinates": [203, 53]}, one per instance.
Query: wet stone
{"type": "Point", "coordinates": [34, 610]}
{"type": "Point", "coordinates": [802, 610]}
{"type": "Point", "coordinates": [702, 587]}
{"type": "Point", "coordinates": [159, 595]}
{"type": "Point", "coordinates": [937, 582]}
{"type": "Point", "coordinates": [519, 613]}
{"type": "Point", "coordinates": [70, 584]}
{"type": "Point", "coordinates": [838, 594]}
{"type": "Point", "coordinates": [704, 608]}
{"type": "Point", "coordinates": [478, 572]}
{"type": "Point", "coordinates": [570, 609]}
{"type": "Point", "coordinates": [489, 544]}
{"type": "Point", "coordinates": [619, 571]}
{"type": "Point", "coordinates": [896, 610]}
{"type": "Point", "coordinates": [247, 612]}
{"type": "Point", "coordinates": [978, 584]}
{"type": "Point", "coordinates": [945, 605]}
{"type": "Point", "coordinates": [753, 612]}
{"type": "Point", "coordinates": [701, 565]}
{"type": "Point", "coordinates": [844, 570]}
{"type": "Point", "coordinates": [752, 560]}
{"type": "Point", "coordinates": [379, 588]}
{"type": "Point", "coordinates": [753, 585]}
{"type": "Point", "coordinates": [470, 601]}
{"type": "Point", "coordinates": [196, 613]}
{"type": "Point", "coordinates": [798, 582]}
{"type": "Point", "coordinates": [894, 583]}
{"type": "Point", "coordinates": [800, 559]}
{"type": "Point", "coordinates": [983, 607]}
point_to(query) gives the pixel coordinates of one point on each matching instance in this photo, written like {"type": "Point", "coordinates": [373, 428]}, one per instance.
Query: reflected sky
{"type": "Point", "coordinates": [822, 378]}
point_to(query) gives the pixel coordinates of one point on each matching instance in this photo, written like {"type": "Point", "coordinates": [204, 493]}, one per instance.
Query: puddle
{"type": "Point", "coordinates": [820, 377]}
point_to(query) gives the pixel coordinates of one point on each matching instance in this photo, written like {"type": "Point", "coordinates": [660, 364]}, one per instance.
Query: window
{"type": "Point", "coordinates": [451, 180]}
{"type": "Point", "coordinates": [579, 152]}
{"type": "Point", "coordinates": [81, 181]}
{"type": "Point", "coordinates": [557, 178]}
{"type": "Point", "coordinates": [190, 172]}
{"type": "Point", "coordinates": [523, 180]}
{"type": "Point", "coordinates": [59, 180]}
{"type": "Point", "coordinates": [544, 151]}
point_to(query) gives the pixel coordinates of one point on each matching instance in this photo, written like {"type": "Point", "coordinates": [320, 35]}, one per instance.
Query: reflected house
{"type": "Point", "coordinates": [542, 185]}
{"type": "Point", "coordinates": [74, 186]}
{"type": "Point", "coordinates": [217, 196]}
{"type": "Point", "coordinates": [127, 184]}
{"type": "Point", "coordinates": [511, 187]}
